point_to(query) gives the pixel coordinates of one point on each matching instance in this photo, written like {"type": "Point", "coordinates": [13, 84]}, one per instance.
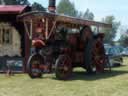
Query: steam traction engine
{"type": "Point", "coordinates": [61, 42]}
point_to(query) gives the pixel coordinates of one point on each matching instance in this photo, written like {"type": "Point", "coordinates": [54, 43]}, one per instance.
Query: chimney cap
{"type": "Point", "coordinates": [52, 6]}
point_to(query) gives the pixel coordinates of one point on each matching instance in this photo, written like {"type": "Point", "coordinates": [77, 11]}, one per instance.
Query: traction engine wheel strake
{"type": "Point", "coordinates": [63, 67]}
{"type": "Point", "coordinates": [99, 61]}
{"type": "Point", "coordinates": [99, 58]}
{"type": "Point", "coordinates": [33, 66]}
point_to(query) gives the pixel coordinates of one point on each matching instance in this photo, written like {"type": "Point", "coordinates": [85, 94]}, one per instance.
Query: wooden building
{"type": "Point", "coordinates": [12, 36]}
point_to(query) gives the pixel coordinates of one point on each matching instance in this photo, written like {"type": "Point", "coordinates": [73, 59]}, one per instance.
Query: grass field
{"type": "Point", "coordinates": [107, 84]}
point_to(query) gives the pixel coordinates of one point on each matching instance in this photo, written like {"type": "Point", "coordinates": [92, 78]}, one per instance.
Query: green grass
{"type": "Point", "coordinates": [107, 84]}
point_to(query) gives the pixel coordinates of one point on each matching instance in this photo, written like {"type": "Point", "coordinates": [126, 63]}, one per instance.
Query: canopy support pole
{"type": "Point", "coordinates": [46, 30]}
{"type": "Point", "coordinates": [53, 27]}
{"type": "Point", "coordinates": [98, 29]}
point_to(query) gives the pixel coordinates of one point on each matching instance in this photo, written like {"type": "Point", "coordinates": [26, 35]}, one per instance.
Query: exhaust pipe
{"type": "Point", "coordinates": [52, 6]}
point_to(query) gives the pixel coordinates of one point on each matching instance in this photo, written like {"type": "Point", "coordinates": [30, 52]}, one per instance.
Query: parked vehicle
{"type": "Point", "coordinates": [125, 52]}
{"type": "Point", "coordinates": [114, 55]}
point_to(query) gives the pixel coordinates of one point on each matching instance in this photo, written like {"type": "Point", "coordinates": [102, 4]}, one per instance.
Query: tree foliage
{"type": "Point", "coordinates": [16, 2]}
{"type": "Point", "coordinates": [79, 14]}
{"type": "Point", "coordinates": [88, 15]}
{"type": "Point", "coordinates": [66, 7]}
{"type": "Point", "coordinates": [37, 6]}
{"type": "Point", "coordinates": [110, 33]}
{"type": "Point", "coordinates": [124, 39]}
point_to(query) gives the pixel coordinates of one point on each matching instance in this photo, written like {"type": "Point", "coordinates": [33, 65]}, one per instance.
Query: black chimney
{"type": "Point", "coordinates": [52, 6]}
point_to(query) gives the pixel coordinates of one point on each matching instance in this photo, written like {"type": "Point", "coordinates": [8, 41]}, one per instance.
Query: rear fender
{"type": "Point", "coordinates": [38, 43]}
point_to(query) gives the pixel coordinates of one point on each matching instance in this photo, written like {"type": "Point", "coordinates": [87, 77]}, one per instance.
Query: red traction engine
{"type": "Point", "coordinates": [59, 43]}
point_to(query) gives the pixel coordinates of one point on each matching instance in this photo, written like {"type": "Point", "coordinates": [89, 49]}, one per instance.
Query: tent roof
{"type": "Point", "coordinates": [61, 18]}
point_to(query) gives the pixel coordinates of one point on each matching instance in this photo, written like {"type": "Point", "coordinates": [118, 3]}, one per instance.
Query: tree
{"type": "Point", "coordinates": [124, 39]}
{"type": "Point", "coordinates": [2, 2]}
{"type": "Point", "coordinates": [110, 33]}
{"type": "Point", "coordinates": [16, 2]}
{"type": "Point", "coordinates": [66, 7]}
{"type": "Point", "coordinates": [79, 14]}
{"type": "Point", "coordinates": [88, 15]}
{"type": "Point", "coordinates": [37, 6]}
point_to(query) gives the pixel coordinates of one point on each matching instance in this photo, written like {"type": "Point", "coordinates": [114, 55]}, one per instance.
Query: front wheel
{"type": "Point", "coordinates": [63, 67]}
{"type": "Point", "coordinates": [33, 66]}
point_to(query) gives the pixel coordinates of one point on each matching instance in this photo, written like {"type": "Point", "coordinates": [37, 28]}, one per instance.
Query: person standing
{"type": "Point", "coordinates": [9, 71]}
{"type": "Point", "coordinates": [99, 53]}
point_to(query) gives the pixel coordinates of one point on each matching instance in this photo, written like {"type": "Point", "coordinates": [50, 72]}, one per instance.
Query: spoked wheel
{"type": "Point", "coordinates": [33, 66]}
{"type": "Point", "coordinates": [99, 62]}
{"type": "Point", "coordinates": [63, 67]}
{"type": "Point", "coordinates": [99, 57]}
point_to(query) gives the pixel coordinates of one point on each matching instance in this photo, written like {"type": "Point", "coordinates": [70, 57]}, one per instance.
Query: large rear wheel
{"type": "Point", "coordinates": [33, 66]}
{"type": "Point", "coordinates": [63, 67]}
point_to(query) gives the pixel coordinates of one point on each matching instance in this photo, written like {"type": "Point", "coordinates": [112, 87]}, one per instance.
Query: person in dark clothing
{"type": "Point", "coordinates": [9, 68]}
{"type": "Point", "coordinates": [99, 53]}
{"type": "Point", "coordinates": [87, 38]}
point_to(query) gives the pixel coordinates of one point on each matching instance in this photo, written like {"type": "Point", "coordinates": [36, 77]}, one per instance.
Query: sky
{"type": "Point", "coordinates": [100, 8]}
